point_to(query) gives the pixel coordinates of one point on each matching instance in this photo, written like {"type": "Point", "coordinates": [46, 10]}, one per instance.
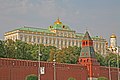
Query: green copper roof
{"type": "Point", "coordinates": [59, 27]}
{"type": "Point", "coordinates": [79, 34]}
{"type": "Point", "coordinates": [87, 36]}
{"type": "Point", "coordinates": [87, 51]}
{"type": "Point", "coordinates": [34, 29]}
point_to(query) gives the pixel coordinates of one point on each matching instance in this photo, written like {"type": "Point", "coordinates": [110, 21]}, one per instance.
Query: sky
{"type": "Point", "coordinates": [100, 17]}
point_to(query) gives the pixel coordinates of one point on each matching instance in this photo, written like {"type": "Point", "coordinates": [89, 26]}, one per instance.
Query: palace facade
{"type": "Point", "coordinates": [58, 35]}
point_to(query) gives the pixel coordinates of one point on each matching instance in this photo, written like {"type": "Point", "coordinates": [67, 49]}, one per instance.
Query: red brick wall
{"type": "Point", "coordinates": [104, 71]}
{"type": "Point", "coordinates": [12, 69]}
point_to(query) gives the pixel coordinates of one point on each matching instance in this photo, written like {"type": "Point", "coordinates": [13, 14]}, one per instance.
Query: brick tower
{"type": "Point", "coordinates": [87, 57]}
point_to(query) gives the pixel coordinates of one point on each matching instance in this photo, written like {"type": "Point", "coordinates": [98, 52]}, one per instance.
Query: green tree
{"type": "Point", "coordinates": [102, 78]}
{"type": "Point", "coordinates": [23, 50]}
{"type": "Point", "coordinates": [51, 54]}
{"type": "Point", "coordinates": [31, 77]}
{"type": "Point", "coordinates": [70, 54]}
{"type": "Point", "coordinates": [2, 49]}
{"type": "Point", "coordinates": [71, 78]}
{"type": "Point", "coordinates": [44, 51]}
{"type": "Point", "coordinates": [104, 61]}
{"type": "Point", "coordinates": [100, 59]}
{"type": "Point", "coordinates": [112, 58]}
{"type": "Point", "coordinates": [9, 48]}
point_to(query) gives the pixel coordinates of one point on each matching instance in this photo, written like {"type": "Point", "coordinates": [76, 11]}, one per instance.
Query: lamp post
{"type": "Point", "coordinates": [117, 52]}
{"type": "Point", "coordinates": [39, 68]}
{"type": "Point", "coordinates": [109, 68]}
{"type": "Point", "coordinates": [118, 64]}
{"type": "Point", "coordinates": [54, 64]}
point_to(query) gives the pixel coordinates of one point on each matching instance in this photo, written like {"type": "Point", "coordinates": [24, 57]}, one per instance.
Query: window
{"type": "Point", "coordinates": [50, 26]}
{"type": "Point", "coordinates": [79, 43]}
{"type": "Point", "coordinates": [30, 39]}
{"type": "Point", "coordinates": [73, 43]}
{"type": "Point", "coordinates": [61, 34]}
{"type": "Point", "coordinates": [61, 42]}
{"type": "Point", "coordinates": [25, 38]}
{"type": "Point", "coordinates": [58, 42]}
{"type": "Point", "coordinates": [65, 34]}
{"type": "Point", "coordinates": [81, 60]}
{"type": "Point", "coordinates": [38, 40]}
{"type": "Point", "coordinates": [69, 42]}
{"type": "Point", "coordinates": [96, 45]}
{"type": "Point", "coordinates": [46, 40]}
{"type": "Point", "coordinates": [53, 41]}
{"type": "Point", "coordinates": [21, 37]}
{"type": "Point", "coordinates": [63, 26]}
{"type": "Point", "coordinates": [65, 42]}
{"type": "Point", "coordinates": [50, 41]}
{"type": "Point", "coordinates": [73, 35]}
{"type": "Point", "coordinates": [42, 39]}
{"type": "Point", "coordinates": [87, 60]}
{"type": "Point", "coordinates": [34, 39]}
{"type": "Point", "coordinates": [83, 43]}
{"type": "Point", "coordinates": [76, 43]}
{"type": "Point", "coordinates": [86, 43]}
{"type": "Point", "coordinates": [68, 34]}
{"type": "Point", "coordinates": [84, 60]}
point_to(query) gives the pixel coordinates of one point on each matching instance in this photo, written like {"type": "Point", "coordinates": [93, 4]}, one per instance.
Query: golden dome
{"type": "Point", "coordinates": [58, 22]}
{"type": "Point", "coordinates": [113, 36]}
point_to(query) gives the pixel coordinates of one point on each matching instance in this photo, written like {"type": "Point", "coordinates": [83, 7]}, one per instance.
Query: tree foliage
{"type": "Point", "coordinates": [71, 78]}
{"type": "Point", "coordinates": [22, 50]}
{"type": "Point", "coordinates": [70, 54]}
{"type": "Point", "coordinates": [102, 78]}
{"type": "Point", "coordinates": [31, 77]}
{"type": "Point", "coordinates": [100, 59]}
{"type": "Point", "coordinates": [110, 59]}
{"type": "Point", "coordinates": [2, 49]}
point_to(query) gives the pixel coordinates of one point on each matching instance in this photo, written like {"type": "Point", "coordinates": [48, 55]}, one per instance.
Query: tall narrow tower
{"type": "Point", "coordinates": [87, 57]}
{"type": "Point", "coordinates": [113, 41]}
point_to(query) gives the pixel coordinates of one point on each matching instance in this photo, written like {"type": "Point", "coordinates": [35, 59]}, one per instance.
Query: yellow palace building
{"type": "Point", "coordinates": [58, 35]}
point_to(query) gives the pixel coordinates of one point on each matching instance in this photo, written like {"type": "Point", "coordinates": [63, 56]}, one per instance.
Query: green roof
{"type": "Point", "coordinates": [34, 29]}
{"type": "Point", "coordinates": [59, 27]}
{"type": "Point", "coordinates": [79, 34]}
{"type": "Point", "coordinates": [87, 36]}
{"type": "Point", "coordinates": [95, 37]}
{"type": "Point", "coordinates": [87, 51]}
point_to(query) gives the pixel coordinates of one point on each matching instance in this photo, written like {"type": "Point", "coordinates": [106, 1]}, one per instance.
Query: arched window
{"type": "Point", "coordinates": [84, 60]}
{"type": "Point", "coordinates": [86, 43]}
{"type": "Point", "coordinates": [81, 60]}
{"type": "Point", "coordinates": [87, 60]}
{"type": "Point", "coordinates": [83, 43]}
{"type": "Point", "coordinates": [63, 26]}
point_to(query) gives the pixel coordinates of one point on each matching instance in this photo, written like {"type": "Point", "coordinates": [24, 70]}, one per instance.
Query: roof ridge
{"type": "Point", "coordinates": [33, 27]}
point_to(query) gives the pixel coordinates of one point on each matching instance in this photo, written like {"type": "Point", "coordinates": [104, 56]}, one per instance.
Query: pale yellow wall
{"type": "Point", "coordinates": [53, 39]}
